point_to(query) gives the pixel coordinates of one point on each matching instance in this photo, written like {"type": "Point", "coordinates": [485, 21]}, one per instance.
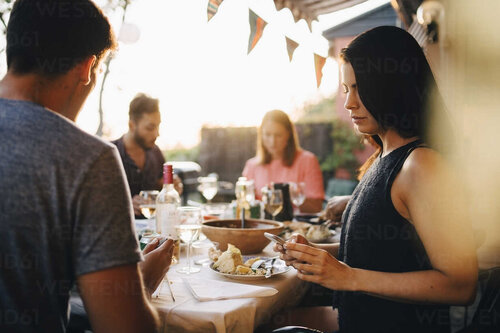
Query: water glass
{"type": "Point", "coordinates": [188, 230]}
{"type": "Point", "coordinates": [208, 187]}
{"type": "Point", "coordinates": [298, 193]}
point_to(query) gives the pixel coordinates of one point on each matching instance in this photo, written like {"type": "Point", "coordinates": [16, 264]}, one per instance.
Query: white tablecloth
{"type": "Point", "coordinates": [225, 316]}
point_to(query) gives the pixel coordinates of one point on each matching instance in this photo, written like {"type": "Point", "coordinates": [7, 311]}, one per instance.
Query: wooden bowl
{"type": "Point", "coordinates": [249, 240]}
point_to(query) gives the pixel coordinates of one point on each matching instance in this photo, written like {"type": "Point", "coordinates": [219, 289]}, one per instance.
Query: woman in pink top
{"type": "Point", "coordinates": [280, 159]}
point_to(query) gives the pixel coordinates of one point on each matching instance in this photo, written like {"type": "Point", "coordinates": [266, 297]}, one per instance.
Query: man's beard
{"type": "Point", "coordinates": [141, 142]}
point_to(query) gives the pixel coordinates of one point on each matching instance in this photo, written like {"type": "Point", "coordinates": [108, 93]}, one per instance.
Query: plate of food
{"type": "Point", "coordinates": [313, 233]}
{"type": "Point", "coordinates": [233, 265]}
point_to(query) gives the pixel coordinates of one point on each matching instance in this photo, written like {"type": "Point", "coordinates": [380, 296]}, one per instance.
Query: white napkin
{"type": "Point", "coordinates": [211, 290]}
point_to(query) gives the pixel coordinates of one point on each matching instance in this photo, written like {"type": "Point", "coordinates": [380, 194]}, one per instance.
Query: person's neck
{"type": "Point", "coordinates": [278, 157]}
{"type": "Point", "coordinates": [130, 144]}
{"type": "Point", "coordinates": [391, 140]}
{"type": "Point", "coordinates": [53, 94]}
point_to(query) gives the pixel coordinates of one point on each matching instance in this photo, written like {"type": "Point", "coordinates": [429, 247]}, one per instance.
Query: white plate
{"type": "Point", "coordinates": [279, 267]}
{"type": "Point", "coordinates": [326, 240]}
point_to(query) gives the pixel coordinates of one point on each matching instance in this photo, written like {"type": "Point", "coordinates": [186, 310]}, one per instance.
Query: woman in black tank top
{"type": "Point", "coordinates": [406, 251]}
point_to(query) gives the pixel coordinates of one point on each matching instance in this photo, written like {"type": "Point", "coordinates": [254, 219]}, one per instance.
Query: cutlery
{"type": "Point", "coordinates": [268, 265]}
{"type": "Point", "coordinates": [169, 288]}
{"type": "Point", "coordinates": [257, 264]}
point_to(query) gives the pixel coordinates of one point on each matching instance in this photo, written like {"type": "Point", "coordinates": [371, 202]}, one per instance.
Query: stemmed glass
{"type": "Point", "coordinates": [148, 203]}
{"type": "Point", "coordinates": [188, 230]}
{"type": "Point", "coordinates": [208, 187]}
{"type": "Point", "coordinates": [298, 193]}
{"type": "Point", "coordinates": [273, 201]}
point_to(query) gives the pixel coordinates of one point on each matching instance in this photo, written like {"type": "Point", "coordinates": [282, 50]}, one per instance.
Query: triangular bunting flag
{"type": "Point", "coordinates": [319, 62]}
{"type": "Point", "coordinates": [213, 6]}
{"type": "Point", "coordinates": [297, 15]}
{"type": "Point", "coordinates": [257, 25]}
{"type": "Point", "coordinates": [291, 45]}
{"type": "Point", "coordinates": [309, 23]}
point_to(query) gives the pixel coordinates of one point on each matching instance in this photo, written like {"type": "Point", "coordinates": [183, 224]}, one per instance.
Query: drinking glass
{"type": "Point", "coordinates": [188, 230]}
{"type": "Point", "coordinates": [148, 203]}
{"type": "Point", "coordinates": [208, 187]}
{"type": "Point", "coordinates": [298, 193]}
{"type": "Point", "coordinates": [273, 201]}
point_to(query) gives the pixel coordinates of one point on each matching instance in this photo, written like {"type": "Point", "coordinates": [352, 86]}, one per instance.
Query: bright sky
{"type": "Point", "coordinates": [201, 71]}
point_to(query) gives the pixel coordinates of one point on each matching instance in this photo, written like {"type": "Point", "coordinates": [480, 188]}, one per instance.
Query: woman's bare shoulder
{"type": "Point", "coordinates": [424, 168]}
{"type": "Point", "coordinates": [423, 161]}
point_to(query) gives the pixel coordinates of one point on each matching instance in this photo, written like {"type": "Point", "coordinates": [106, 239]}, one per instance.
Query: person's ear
{"type": "Point", "coordinates": [131, 125]}
{"type": "Point", "coordinates": [87, 68]}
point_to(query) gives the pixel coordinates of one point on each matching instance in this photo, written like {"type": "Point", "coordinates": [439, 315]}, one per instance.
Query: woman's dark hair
{"type": "Point", "coordinates": [142, 104]}
{"type": "Point", "coordinates": [394, 80]}
{"type": "Point", "coordinates": [292, 146]}
{"type": "Point", "coordinates": [396, 85]}
{"type": "Point", "coordinates": [49, 37]}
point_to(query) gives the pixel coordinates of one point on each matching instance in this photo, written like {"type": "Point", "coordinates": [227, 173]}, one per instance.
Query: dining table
{"type": "Point", "coordinates": [238, 315]}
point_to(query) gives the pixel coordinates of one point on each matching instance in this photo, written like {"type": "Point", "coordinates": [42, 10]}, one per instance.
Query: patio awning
{"type": "Point", "coordinates": [310, 9]}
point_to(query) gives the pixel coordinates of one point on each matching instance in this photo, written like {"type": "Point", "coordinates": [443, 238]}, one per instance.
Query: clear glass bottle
{"type": "Point", "coordinates": [167, 202]}
{"type": "Point", "coordinates": [241, 192]}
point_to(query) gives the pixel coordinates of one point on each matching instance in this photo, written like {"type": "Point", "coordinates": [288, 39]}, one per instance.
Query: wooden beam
{"type": "Point", "coordinates": [339, 6]}
{"type": "Point", "coordinates": [324, 3]}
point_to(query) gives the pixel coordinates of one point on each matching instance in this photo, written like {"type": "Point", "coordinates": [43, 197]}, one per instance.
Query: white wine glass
{"type": "Point", "coordinates": [273, 201]}
{"type": "Point", "coordinates": [208, 187]}
{"type": "Point", "coordinates": [298, 193]}
{"type": "Point", "coordinates": [148, 203]}
{"type": "Point", "coordinates": [188, 230]}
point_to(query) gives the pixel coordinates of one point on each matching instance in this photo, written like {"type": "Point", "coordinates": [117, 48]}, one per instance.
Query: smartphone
{"type": "Point", "coordinates": [163, 240]}
{"type": "Point", "coordinates": [274, 238]}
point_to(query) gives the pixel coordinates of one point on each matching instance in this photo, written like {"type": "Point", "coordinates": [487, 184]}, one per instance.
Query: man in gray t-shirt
{"type": "Point", "coordinates": [65, 210]}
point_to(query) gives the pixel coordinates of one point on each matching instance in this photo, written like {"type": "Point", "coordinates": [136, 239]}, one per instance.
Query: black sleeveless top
{"type": "Point", "coordinates": [376, 237]}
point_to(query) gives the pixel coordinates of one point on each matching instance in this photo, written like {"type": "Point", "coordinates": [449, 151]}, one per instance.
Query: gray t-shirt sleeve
{"type": "Point", "coordinates": [104, 232]}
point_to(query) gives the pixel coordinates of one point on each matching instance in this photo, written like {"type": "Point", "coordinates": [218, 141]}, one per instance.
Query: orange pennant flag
{"type": "Point", "coordinates": [257, 25]}
{"type": "Point", "coordinates": [319, 62]}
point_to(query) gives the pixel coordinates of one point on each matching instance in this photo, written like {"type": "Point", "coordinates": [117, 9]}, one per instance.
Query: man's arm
{"type": "Point", "coordinates": [115, 301]}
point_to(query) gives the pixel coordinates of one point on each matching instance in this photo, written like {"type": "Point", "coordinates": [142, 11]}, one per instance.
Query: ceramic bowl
{"type": "Point", "coordinates": [249, 240]}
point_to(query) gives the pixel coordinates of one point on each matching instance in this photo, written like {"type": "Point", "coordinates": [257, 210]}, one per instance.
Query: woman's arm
{"type": "Point", "coordinates": [425, 194]}
{"type": "Point", "coordinates": [335, 207]}
{"type": "Point", "coordinates": [332, 249]}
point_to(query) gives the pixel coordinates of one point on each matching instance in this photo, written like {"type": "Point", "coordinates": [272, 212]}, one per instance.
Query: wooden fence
{"type": "Point", "coordinates": [225, 150]}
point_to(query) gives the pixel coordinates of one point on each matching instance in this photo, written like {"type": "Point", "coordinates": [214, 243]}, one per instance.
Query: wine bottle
{"type": "Point", "coordinates": [167, 202]}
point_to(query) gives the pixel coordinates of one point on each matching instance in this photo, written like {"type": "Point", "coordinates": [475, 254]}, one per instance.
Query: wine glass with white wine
{"type": "Point", "coordinates": [188, 231]}
{"type": "Point", "coordinates": [148, 203]}
{"type": "Point", "coordinates": [273, 201]}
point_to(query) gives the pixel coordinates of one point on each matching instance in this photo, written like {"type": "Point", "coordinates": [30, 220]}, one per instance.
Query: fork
{"type": "Point", "coordinates": [268, 265]}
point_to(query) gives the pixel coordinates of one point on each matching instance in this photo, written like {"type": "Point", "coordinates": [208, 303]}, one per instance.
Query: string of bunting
{"type": "Point", "coordinates": [257, 25]}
